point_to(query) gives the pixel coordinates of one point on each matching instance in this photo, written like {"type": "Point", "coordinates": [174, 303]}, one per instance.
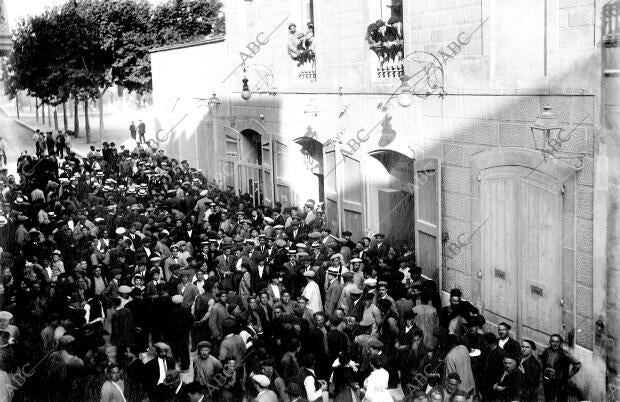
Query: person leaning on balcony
{"type": "Point", "coordinates": [293, 41]}
{"type": "Point", "coordinates": [394, 37]}
{"type": "Point", "coordinates": [308, 41]}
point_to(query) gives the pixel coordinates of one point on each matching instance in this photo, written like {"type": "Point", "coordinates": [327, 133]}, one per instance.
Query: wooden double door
{"type": "Point", "coordinates": [521, 250]}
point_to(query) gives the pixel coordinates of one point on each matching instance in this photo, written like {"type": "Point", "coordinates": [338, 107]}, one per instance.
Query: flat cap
{"type": "Point", "coordinates": [261, 380]}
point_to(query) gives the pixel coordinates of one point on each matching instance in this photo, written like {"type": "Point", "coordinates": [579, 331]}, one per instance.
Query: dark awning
{"type": "Point", "coordinates": [397, 164]}
{"type": "Point", "coordinates": [311, 146]}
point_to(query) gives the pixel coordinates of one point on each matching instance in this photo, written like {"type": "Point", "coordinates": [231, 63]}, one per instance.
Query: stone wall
{"type": "Point", "coordinates": [486, 107]}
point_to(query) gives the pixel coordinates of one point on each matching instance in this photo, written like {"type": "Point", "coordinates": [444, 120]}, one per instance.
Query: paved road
{"type": "Point", "coordinates": [17, 139]}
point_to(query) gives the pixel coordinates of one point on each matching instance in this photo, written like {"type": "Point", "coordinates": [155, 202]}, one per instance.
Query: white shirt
{"type": "Point", "coordinates": [261, 268]}
{"type": "Point", "coordinates": [503, 342]}
{"type": "Point", "coordinates": [162, 370]}
{"type": "Point", "coordinates": [313, 394]}
{"type": "Point", "coordinates": [276, 291]}
{"type": "Point", "coordinates": [313, 294]}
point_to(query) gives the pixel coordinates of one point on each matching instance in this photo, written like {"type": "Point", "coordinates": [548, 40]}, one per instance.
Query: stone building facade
{"type": "Point", "coordinates": [523, 235]}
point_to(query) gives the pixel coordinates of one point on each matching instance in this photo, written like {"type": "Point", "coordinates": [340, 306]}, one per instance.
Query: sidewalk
{"type": "Point", "coordinates": [116, 119]}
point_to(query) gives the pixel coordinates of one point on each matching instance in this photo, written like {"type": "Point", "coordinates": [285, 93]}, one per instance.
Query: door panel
{"type": "Point", "coordinates": [427, 199]}
{"type": "Point", "coordinates": [331, 193]}
{"type": "Point", "coordinates": [498, 237]}
{"type": "Point", "coordinates": [521, 249]}
{"type": "Point", "coordinates": [352, 195]}
{"type": "Point", "coordinates": [540, 254]}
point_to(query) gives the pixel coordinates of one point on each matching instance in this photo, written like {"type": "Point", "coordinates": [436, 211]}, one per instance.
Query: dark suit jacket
{"type": "Point", "coordinates": [259, 282]}
{"type": "Point", "coordinates": [301, 235]}
{"type": "Point", "coordinates": [136, 241]}
{"type": "Point", "coordinates": [513, 348]}
{"type": "Point", "coordinates": [378, 252]}
{"type": "Point", "coordinates": [151, 373]}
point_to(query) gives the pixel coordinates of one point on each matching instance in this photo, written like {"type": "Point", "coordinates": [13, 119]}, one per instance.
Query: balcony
{"type": "Point", "coordinates": [306, 67]}
{"type": "Point", "coordinates": [388, 62]}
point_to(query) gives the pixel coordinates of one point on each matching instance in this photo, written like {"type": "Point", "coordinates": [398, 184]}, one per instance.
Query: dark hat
{"type": "Point", "coordinates": [505, 324]}
{"type": "Point", "coordinates": [454, 376]}
{"type": "Point", "coordinates": [455, 293]}
{"type": "Point", "coordinates": [116, 271]}
{"type": "Point", "coordinates": [135, 292]}
{"type": "Point", "coordinates": [409, 315]}
{"type": "Point", "coordinates": [531, 343]}
{"type": "Point", "coordinates": [205, 344]}
{"type": "Point", "coordinates": [347, 233]}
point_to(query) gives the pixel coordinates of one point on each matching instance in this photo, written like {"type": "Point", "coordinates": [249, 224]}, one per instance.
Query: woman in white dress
{"type": "Point", "coordinates": [376, 384]}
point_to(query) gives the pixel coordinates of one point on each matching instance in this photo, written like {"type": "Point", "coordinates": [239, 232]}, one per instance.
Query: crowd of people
{"type": "Point", "coordinates": [128, 276]}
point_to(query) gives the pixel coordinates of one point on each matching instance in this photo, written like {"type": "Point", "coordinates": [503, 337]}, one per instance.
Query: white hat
{"type": "Point", "coordinates": [309, 274]}
{"type": "Point", "coordinates": [354, 260]}
{"type": "Point", "coordinates": [203, 193]}
{"type": "Point", "coordinates": [5, 315]}
{"type": "Point", "coordinates": [162, 345]}
{"type": "Point", "coordinates": [370, 282]}
{"type": "Point", "coordinates": [177, 299]}
{"type": "Point", "coordinates": [338, 255]}
{"type": "Point", "coordinates": [261, 380]}
{"type": "Point", "coordinates": [268, 220]}
{"type": "Point", "coordinates": [124, 289]}
{"type": "Point", "coordinates": [120, 231]}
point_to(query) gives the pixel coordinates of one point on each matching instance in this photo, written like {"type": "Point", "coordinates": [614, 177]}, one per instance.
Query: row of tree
{"type": "Point", "coordinates": [82, 48]}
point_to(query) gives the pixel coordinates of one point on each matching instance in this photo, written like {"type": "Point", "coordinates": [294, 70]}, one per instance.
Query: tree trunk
{"type": "Point", "coordinates": [17, 104]}
{"type": "Point", "coordinates": [49, 115]}
{"type": "Point", "coordinates": [42, 113]}
{"type": "Point", "coordinates": [36, 109]}
{"type": "Point", "coordinates": [86, 122]}
{"type": "Point", "coordinates": [100, 104]}
{"type": "Point", "coordinates": [55, 118]}
{"type": "Point", "coordinates": [76, 119]}
{"type": "Point", "coordinates": [64, 115]}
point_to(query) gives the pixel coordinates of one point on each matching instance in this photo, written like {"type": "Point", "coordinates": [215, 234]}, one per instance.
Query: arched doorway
{"type": "Point", "coordinates": [396, 200]}
{"type": "Point", "coordinates": [250, 166]}
{"type": "Point", "coordinates": [246, 164]}
{"type": "Point", "coordinates": [312, 151]}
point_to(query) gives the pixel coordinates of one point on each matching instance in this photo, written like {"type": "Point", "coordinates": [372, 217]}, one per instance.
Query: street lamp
{"type": "Point", "coordinates": [405, 98]}
{"type": "Point", "coordinates": [547, 127]}
{"type": "Point", "coordinates": [245, 91]}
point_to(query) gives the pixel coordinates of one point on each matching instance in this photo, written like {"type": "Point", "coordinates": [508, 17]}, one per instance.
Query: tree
{"type": "Point", "coordinates": [183, 21]}
{"type": "Point", "coordinates": [80, 49]}
{"type": "Point", "coordinates": [58, 54]}
{"type": "Point", "coordinates": [9, 79]}
{"type": "Point", "coordinates": [122, 29]}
